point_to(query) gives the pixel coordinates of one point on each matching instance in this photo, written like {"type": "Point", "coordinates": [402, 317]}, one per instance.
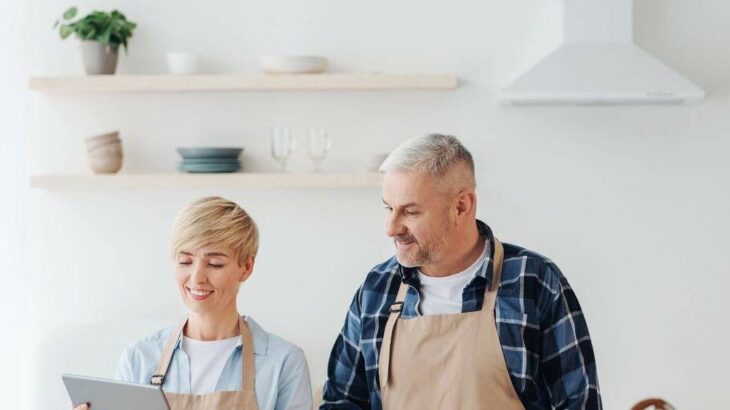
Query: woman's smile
{"type": "Point", "coordinates": [199, 294]}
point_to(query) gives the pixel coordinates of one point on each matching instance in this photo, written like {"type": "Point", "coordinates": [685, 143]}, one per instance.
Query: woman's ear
{"type": "Point", "coordinates": [247, 268]}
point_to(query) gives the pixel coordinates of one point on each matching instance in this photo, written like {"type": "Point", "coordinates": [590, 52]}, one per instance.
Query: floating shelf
{"type": "Point", "coordinates": [112, 182]}
{"type": "Point", "coordinates": [243, 82]}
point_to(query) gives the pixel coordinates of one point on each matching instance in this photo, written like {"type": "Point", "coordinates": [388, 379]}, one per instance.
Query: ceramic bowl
{"type": "Point", "coordinates": [105, 164]}
{"type": "Point", "coordinates": [284, 64]}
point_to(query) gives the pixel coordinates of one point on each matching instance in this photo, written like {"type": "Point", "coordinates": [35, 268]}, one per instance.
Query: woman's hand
{"type": "Point", "coordinates": [82, 407]}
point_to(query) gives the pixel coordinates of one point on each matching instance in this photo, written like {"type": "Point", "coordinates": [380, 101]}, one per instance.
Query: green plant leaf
{"type": "Point", "coordinates": [65, 31]}
{"type": "Point", "coordinates": [70, 13]}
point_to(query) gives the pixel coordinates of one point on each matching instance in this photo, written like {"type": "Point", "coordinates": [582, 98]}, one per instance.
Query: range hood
{"type": "Point", "coordinates": [600, 64]}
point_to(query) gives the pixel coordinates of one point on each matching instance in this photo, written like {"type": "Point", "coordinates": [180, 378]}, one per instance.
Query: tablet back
{"type": "Point", "coordinates": [105, 394]}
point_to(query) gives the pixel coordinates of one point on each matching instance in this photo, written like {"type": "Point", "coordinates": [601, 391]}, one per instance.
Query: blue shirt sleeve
{"type": "Point", "coordinates": [567, 361]}
{"type": "Point", "coordinates": [295, 388]}
{"type": "Point", "coordinates": [346, 386]}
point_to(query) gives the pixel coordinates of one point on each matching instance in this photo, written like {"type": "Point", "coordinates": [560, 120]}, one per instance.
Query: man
{"type": "Point", "coordinates": [457, 320]}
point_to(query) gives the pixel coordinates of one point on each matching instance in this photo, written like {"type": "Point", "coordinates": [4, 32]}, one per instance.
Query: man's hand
{"type": "Point", "coordinates": [84, 406]}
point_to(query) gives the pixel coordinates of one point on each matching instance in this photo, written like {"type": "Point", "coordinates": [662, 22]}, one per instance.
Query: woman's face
{"type": "Point", "coordinates": [208, 278]}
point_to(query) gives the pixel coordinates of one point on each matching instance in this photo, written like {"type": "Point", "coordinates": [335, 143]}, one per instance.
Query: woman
{"type": "Point", "coordinates": [217, 359]}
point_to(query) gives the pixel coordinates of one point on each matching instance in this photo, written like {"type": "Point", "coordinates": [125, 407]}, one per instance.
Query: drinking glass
{"type": "Point", "coordinates": [320, 144]}
{"type": "Point", "coordinates": [282, 145]}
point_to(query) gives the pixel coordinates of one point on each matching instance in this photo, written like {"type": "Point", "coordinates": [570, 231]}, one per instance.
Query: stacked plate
{"type": "Point", "coordinates": [210, 159]}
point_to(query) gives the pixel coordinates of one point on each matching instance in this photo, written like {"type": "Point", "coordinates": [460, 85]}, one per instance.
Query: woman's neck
{"type": "Point", "coordinates": [212, 326]}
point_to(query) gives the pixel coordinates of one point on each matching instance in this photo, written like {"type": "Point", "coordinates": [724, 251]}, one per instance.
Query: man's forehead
{"type": "Point", "coordinates": [401, 189]}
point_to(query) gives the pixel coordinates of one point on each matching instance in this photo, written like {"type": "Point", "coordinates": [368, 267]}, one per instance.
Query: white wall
{"type": "Point", "coordinates": [631, 202]}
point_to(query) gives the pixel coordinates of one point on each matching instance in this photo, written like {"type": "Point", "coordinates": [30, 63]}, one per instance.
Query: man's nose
{"type": "Point", "coordinates": [393, 226]}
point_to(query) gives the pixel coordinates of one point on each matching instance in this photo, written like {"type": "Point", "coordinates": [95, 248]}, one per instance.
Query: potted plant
{"type": "Point", "coordinates": [101, 34]}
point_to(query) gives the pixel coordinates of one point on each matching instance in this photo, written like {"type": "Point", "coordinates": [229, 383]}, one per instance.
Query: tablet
{"type": "Point", "coordinates": [106, 394]}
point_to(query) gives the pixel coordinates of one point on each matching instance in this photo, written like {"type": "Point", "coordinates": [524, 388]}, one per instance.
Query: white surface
{"type": "Point", "coordinates": [599, 64]}
{"type": "Point", "coordinates": [178, 181]}
{"type": "Point", "coordinates": [630, 201]}
{"type": "Point", "coordinates": [244, 82]}
{"type": "Point", "coordinates": [598, 21]}
{"type": "Point", "coordinates": [600, 74]}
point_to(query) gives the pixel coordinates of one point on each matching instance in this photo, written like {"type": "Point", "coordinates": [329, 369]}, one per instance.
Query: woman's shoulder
{"type": "Point", "coordinates": [269, 344]}
{"type": "Point", "coordinates": [150, 345]}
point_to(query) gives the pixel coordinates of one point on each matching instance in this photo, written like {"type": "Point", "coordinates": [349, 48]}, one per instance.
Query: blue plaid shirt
{"type": "Point", "coordinates": [541, 327]}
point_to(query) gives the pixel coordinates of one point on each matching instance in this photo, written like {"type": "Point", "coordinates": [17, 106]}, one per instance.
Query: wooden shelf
{"type": "Point", "coordinates": [243, 82]}
{"type": "Point", "coordinates": [110, 182]}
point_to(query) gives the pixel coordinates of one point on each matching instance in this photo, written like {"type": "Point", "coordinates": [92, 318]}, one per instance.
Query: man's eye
{"type": "Point", "coordinates": [216, 265]}
{"type": "Point", "coordinates": [411, 213]}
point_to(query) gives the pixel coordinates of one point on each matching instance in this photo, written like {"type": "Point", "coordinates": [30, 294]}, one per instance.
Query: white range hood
{"type": "Point", "coordinates": [599, 64]}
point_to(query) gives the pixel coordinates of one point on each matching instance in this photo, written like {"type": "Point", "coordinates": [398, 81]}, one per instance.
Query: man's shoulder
{"type": "Point", "coordinates": [521, 262]}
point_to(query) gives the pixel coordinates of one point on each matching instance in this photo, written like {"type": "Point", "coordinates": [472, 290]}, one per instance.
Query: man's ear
{"type": "Point", "coordinates": [247, 268]}
{"type": "Point", "coordinates": [466, 202]}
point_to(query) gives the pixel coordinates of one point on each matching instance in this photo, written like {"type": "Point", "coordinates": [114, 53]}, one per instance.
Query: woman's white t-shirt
{"type": "Point", "coordinates": [207, 360]}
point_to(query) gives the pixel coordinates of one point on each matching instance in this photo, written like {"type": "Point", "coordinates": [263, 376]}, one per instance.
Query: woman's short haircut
{"type": "Point", "coordinates": [435, 154]}
{"type": "Point", "coordinates": [215, 221]}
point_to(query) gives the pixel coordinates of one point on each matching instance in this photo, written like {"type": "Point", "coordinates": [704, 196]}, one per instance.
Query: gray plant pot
{"type": "Point", "coordinates": [99, 58]}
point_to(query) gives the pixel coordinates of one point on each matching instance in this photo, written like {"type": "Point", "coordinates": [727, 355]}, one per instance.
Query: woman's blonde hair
{"type": "Point", "coordinates": [215, 220]}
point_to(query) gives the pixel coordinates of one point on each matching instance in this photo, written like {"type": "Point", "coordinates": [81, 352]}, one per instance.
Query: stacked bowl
{"type": "Point", "coordinates": [210, 159]}
{"type": "Point", "coordinates": [105, 153]}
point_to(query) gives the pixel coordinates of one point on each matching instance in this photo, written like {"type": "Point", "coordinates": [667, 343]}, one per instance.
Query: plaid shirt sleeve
{"type": "Point", "coordinates": [567, 362]}
{"type": "Point", "coordinates": [346, 386]}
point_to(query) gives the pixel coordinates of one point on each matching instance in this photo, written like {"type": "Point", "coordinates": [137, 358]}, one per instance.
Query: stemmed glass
{"type": "Point", "coordinates": [320, 144]}
{"type": "Point", "coordinates": [282, 145]}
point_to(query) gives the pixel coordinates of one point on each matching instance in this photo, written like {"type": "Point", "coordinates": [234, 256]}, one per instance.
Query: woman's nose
{"type": "Point", "coordinates": [199, 274]}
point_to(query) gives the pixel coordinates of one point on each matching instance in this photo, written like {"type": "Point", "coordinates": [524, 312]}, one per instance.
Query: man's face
{"type": "Point", "coordinates": [418, 217]}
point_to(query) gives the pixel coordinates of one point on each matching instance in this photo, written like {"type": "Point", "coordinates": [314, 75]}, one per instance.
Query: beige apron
{"type": "Point", "coordinates": [243, 399]}
{"type": "Point", "coordinates": [451, 361]}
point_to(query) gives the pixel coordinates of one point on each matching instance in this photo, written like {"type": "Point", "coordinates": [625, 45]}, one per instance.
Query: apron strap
{"type": "Point", "coordinates": [159, 377]}
{"type": "Point", "coordinates": [396, 308]}
{"type": "Point", "coordinates": [247, 368]}
{"type": "Point", "coordinates": [490, 293]}
{"type": "Point", "coordinates": [247, 351]}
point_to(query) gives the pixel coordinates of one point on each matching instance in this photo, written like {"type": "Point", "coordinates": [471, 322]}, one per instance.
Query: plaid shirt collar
{"type": "Point", "coordinates": [483, 277]}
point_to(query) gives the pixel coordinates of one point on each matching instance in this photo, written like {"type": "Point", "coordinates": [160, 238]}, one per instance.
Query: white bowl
{"type": "Point", "coordinates": [182, 63]}
{"type": "Point", "coordinates": [283, 64]}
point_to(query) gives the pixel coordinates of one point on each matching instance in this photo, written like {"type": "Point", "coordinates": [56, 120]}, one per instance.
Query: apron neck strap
{"type": "Point", "coordinates": [490, 292]}
{"type": "Point", "coordinates": [247, 358]}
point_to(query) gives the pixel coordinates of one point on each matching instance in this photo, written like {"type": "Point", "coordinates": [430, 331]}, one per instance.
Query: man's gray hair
{"type": "Point", "coordinates": [435, 154]}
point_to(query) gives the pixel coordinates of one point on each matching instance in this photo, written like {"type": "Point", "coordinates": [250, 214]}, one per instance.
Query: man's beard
{"type": "Point", "coordinates": [422, 256]}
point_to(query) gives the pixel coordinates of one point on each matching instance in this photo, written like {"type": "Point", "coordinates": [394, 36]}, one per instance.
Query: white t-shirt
{"type": "Point", "coordinates": [207, 360]}
{"type": "Point", "coordinates": [443, 295]}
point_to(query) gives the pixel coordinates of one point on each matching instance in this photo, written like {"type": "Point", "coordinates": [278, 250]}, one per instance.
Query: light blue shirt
{"type": "Point", "coordinates": [282, 374]}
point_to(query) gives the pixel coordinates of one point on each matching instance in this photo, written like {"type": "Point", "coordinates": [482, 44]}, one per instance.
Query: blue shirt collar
{"type": "Point", "coordinates": [260, 338]}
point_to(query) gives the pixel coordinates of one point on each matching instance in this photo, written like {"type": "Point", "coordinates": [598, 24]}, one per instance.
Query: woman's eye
{"type": "Point", "coordinates": [216, 265]}
{"type": "Point", "coordinates": [184, 262]}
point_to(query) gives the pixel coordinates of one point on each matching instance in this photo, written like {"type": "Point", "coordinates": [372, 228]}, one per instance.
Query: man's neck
{"type": "Point", "coordinates": [213, 325]}
{"type": "Point", "coordinates": [465, 253]}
